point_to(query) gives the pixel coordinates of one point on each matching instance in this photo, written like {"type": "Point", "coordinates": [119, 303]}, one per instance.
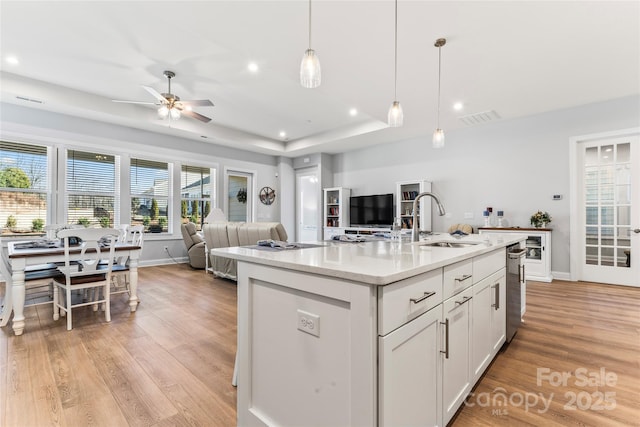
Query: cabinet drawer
{"type": "Point", "coordinates": [487, 264]}
{"type": "Point", "coordinates": [457, 277]}
{"type": "Point", "coordinates": [405, 300]}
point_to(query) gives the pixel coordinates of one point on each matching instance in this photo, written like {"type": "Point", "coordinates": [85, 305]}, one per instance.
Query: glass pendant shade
{"type": "Point", "coordinates": [395, 117]}
{"type": "Point", "coordinates": [310, 73]}
{"type": "Point", "coordinates": [175, 113]}
{"type": "Point", "coordinates": [438, 138]}
{"type": "Point", "coordinates": [163, 112]}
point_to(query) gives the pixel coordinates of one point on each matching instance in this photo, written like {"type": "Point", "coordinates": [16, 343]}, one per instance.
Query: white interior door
{"type": "Point", "coordinates": [609, 210]}
{"type": "Point", "coordinates": [238, 203]}
{"type": "Point", "coordinates": [307, 205]}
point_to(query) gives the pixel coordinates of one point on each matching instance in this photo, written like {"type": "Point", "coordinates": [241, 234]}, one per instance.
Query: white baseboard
{"type": "Point", "coordinates": [163, 261]}
{"type": "Point", "coordinates": [561, 275]}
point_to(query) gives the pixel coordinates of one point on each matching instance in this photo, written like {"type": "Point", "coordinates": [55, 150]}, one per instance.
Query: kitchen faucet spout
{"type": "Point", "coordinates": [415, 232]}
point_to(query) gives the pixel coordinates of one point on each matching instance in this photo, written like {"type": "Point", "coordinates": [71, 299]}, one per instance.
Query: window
{"type": "Point", "coordinates": [150, 194]}
{"type": "Point", "coordinates": [24, 188]}
{"type": "Point", "coordinates": [92, 188]}
{"type": "Point", "coordinates": [197, 185]}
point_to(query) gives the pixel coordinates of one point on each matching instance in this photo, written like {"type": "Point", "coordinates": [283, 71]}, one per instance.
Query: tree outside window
{"type": "Point", "coordinates": [197, 188]}
{"type": "Point", "coordinates": [24, 188]}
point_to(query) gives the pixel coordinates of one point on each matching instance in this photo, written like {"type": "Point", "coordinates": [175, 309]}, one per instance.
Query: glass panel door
{"type": "Point", "coordinates": [609, 210]}
{"type": "Point", "coordinates": [239, 199]}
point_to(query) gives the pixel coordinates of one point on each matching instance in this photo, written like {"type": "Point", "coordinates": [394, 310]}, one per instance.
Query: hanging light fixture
{"type": "Point", "coordinates": [438, 134]}
{"type": "Point", "coordinates": [169, 108]}
{"type": "Point", "coordinates": [395, 117]}
{"type": "Point", "coordinates": [310, 66]}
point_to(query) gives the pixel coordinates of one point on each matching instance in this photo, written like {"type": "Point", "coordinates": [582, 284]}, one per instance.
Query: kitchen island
{"type": "Point", "coordinates": [369, 333]}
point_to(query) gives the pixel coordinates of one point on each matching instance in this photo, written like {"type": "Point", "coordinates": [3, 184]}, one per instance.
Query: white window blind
{"type": "Point", "coordinates": [150, 195]}
{"type": "Point", "coordinates": [24, 187]}
{"type": "Point", "coordinates": [92, 188]}
{"type": "Point", "coordinates": [197, 185]}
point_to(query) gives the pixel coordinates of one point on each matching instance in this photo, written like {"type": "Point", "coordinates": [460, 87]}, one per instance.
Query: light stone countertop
{"type": "Point", "coordinates": [376, 262]}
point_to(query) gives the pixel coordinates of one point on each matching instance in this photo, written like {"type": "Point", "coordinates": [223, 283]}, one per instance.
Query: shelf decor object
{"type": "Point", "coordinates": [395, 117]}
{"type": "Point", "coordinates": [310, 73]}
{"type": "Point", "coordinates": [438, 134]}
{"type": "Point", "coordinates": [540, 219]}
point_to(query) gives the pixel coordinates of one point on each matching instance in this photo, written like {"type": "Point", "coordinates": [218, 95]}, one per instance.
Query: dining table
{"type": "Point", "coordinates": [22, 254]}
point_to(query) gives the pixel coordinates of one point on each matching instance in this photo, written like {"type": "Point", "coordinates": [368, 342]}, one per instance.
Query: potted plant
{"type": "Point", "coordinates": [540, 219]}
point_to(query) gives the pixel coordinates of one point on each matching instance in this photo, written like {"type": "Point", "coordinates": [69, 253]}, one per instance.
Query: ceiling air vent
{"type": "Point", "coordinates": [479, 118]}
{"type": "Point", "coordinates": [24, 98]}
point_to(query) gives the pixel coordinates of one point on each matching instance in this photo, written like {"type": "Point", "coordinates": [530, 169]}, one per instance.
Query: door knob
{"type": "Point", "coordinates": [637, 230]}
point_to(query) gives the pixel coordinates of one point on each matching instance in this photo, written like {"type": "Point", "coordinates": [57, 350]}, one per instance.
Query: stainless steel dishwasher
{"type": "Point", "coordinates": [515, 279]}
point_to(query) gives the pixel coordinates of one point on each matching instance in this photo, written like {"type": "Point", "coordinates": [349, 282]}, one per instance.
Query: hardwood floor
{"type": "Point", "coordinates": [171, 362]}
{"type": "Point", "coordinates": [589, 331]}
{"type": "Point", "coordinates": [168, 364]}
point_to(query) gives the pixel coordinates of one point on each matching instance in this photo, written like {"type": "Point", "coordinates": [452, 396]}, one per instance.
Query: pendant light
{"type": "Point", "coordinates": [310, 66]}
{"type": "Point", "coordinates": [395, 117]}
{"type": "Point", "coordinates": [438, 134]}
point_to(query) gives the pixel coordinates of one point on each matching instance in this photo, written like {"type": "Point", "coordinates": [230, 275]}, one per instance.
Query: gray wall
{"type": "Point", "coordinates": [511, 165]}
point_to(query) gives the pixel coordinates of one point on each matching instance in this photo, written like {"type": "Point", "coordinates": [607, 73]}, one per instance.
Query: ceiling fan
{"type": "Point", "coordinates": [170, 105]}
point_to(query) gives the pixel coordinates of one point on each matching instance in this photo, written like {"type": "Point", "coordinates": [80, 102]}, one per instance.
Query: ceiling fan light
{"type": "Point", "coordinates": [163, 112]}
{"type": "Point", "coordinates": [310, 73]}
{"type": "Point", "coordinates": [395, 117]}
{"type": "Point", "coordinates": [438, 138]}
{"type": "Point", "coordinates": [175, 113]}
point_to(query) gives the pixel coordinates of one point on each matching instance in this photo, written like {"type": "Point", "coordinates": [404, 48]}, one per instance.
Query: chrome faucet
{"type": "Point", "coordinates": [415, 232]}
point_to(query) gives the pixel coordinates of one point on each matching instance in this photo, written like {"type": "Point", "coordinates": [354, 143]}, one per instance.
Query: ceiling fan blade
{"type": "Point", "coordinates": [134, 102]}
{"type": "Point", "coordinates": [155, 94]}
{"type": "Point", "coordinates": [195, 115]}
{"type": "Point", "coordinates": [198, 103]}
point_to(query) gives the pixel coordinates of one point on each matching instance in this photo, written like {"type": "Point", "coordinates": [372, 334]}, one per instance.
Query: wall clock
{"type": "Point", "coordinates": [267, 195]}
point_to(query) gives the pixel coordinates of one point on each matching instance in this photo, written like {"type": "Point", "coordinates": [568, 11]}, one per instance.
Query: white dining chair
{"type": "Point", "coordinates": [95, 244]}
{"type": "Point", "coordinates": [120, 277]}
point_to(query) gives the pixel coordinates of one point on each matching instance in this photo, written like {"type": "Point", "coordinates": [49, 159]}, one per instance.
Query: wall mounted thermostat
{"type": "Point", "coordinates": [557, 197]}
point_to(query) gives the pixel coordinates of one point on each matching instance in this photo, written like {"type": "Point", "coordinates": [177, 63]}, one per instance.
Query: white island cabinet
{"type": "Point", "coordinates": [365, 334]}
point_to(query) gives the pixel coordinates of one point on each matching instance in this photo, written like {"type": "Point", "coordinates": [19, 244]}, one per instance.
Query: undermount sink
{"type": "Point", "coordinates": [450, 244]}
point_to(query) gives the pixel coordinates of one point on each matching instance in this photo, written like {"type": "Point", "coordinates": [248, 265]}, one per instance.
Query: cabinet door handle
{"type": "Point", "coordinates": [465, 299]}
{"type": "Point", "coordinates": [520, 273]}
{"type": "Point", "coordinates": [463, 278]}
{"type": "Point", "coordinates": [422, 298]}
{"type": "Point", "coordinates": [496, 297]}
{"type": "Point", "coordinates": [524, 278]}
{"type": "Point", "coordinates": [446, 338]}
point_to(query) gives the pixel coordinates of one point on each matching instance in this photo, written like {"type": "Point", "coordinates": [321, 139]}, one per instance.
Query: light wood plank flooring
{"type": "Point", "coordinates": [171, 362]}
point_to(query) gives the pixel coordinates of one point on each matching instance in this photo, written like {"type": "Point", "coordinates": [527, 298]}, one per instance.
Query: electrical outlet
{"type": "Point", "coordinates": [309, 323]}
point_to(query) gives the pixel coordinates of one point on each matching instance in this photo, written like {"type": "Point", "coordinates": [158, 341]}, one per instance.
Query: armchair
{"type": "Point", "coordinates": [195, 245]}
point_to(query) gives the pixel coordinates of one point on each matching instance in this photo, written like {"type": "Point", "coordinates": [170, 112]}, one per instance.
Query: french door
{"type": "Point", "coordinates": [608, 211]}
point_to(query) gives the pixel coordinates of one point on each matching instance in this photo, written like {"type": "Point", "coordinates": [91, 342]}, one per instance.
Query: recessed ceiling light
{"type": "Point", "coordinates": [282, 134]}
{"type": "Point", "coordinates": [353, 112]}
{"type": "Point", "coordinates": [253, 67]}
{"type": "Point", "coordinates": [12, 60]}
{"type": "Point", "coordinates": [458, 106]}
{"type": "Point", "coordinates": [608, 150]}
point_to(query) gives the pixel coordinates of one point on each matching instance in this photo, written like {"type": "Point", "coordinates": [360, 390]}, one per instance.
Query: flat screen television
{"type": "Point", "coordinates": [371, 211]}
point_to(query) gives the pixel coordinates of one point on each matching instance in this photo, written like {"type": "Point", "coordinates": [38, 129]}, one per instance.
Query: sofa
{"type": "Point", "coordinates": [228, 234]}
{"type": "Point", "coordinates": [195, 245]}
